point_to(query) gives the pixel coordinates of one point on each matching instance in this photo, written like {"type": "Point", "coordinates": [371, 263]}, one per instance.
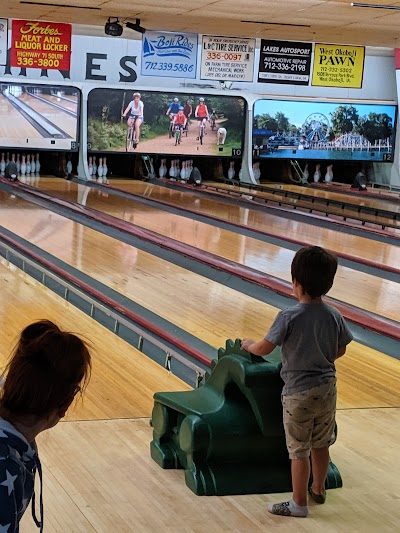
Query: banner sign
{"type": "Point", "coordinates": [284, 62]}
{"type": "Point", "coordinates": [168, 54]}
{"type": "Point", "coordinates": [3, 41]}
{"type": "Point", "coordinates": [338, 66]}
{"type": "Point", "coordinates": [227, 58]}
{"type": "Point", "coordinates": [44, 45]}
{"type": "Point", "coordinates": [397, 58]}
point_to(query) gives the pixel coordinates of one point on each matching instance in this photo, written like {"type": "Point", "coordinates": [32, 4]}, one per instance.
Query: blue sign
{"type": "Point", "coordinates": [169, 55]}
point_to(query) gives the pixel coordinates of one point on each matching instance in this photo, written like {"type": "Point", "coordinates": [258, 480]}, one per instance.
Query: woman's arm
{"type": "Point", "coordinates": [127, 109]}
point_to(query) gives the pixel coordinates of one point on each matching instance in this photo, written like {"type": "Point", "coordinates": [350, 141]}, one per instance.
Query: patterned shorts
{"type": "Point", "coordinates": [309, 419]}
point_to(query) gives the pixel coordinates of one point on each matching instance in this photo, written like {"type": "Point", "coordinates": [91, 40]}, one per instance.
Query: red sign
{"type": "Point", "coordinates": [397, 57]}
{"type": "Point", "coordinates": [45, 45]}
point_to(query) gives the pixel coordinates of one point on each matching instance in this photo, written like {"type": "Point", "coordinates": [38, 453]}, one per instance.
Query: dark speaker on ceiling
{"type": "Point", "coordinates": [113, 28]}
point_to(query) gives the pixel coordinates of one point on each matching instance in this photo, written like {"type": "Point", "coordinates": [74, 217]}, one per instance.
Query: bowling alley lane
{"type": "Point", "coordinates": [382, 296]}
{"type": "Point", "coordinates": [203, 308]}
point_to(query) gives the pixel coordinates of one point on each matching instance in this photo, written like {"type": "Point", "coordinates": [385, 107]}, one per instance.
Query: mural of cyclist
{"type": "Point", "coordinates": [201, 114]}
{"type": "Point", "coordinates": [180, 119]}
{"type": "Point", "coordinates": [135, 110]}
{"type": "Point", "coordinates": [173, 107]}
{"type": "Point", "coordinates": [187, 109]}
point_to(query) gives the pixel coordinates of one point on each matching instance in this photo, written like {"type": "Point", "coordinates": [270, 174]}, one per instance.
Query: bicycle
{"type": "Point", "coordinates": [171, 125]}
{"type": "Point", "coordinates": [131, 139]}
{"type": "Point", "coordinates": [202, 132]}
{"type": "Point", "coordinates": [186, 127]}
{"type": "Point", "coordinates": [178, 134]}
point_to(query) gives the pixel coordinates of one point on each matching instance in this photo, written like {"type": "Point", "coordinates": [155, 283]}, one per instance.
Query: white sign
{"type": "Point", "coordinates": [168, 54]}
{"type": "Point", "coordinates": [3, 41]}
{"type": "Point", "coordinates": [227, 58]}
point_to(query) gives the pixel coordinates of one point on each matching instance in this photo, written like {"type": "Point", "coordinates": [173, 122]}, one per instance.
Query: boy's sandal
{"type": "Point", "coordinates": [318, 498]}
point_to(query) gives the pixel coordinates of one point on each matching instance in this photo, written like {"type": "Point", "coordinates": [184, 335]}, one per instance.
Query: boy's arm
{"type": "Point", "coordinates": [261, 348]}
{"type": "Point", "coordinates": [341, 351]}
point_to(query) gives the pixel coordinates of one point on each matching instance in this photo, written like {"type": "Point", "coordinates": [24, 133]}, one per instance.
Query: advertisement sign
{"type": "Point", "coordinates": [338, 66]}
{"type": "Point", "coordinates": [286, 62]}
{"type": "Point", "coordinates": [44, 45]}
{"type": "Point", "coordinates": [42, 116]}
{"type": "Point", "coordinates": [168, 54]}
{"type": "Point", "coordinates": [292, 129]}
{"type": "Point", "coordinates": [109, 123]}
{"type": "Point", "coordinates": [3, 41]}
{"type": "Point", "coordinates": [227, 58]}
{"type": "Point", "coordinates": [397, 58]}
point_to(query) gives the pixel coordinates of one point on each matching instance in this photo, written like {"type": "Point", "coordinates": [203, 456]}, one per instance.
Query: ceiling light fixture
{"type": "Point", "coordinates": [113, 28]}
{"type": "Point", "coordinates": [135, 26]}
{"type": "Point", "coordinates": [375, 6]}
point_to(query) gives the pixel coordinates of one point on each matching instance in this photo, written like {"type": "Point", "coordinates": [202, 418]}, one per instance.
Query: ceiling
{"type": "Point", "coordinates": [329, 21]}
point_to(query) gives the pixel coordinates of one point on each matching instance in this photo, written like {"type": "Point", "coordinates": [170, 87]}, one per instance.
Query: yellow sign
{"type": "Point", "coordinates": [338, 66]}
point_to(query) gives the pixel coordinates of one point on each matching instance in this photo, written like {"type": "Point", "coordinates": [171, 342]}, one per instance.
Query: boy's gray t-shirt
{"type": "Point", "coordinates": [309, 336]}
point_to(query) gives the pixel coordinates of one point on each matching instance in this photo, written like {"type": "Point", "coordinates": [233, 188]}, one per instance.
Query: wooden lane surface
{"type": "Point", "coordinates": [384, 193]}
{"type": "Point", "coordinates": [99, 477]}
{"type": "Point", "coordinates": [123, 380]}
{"type": "Point", "coordinates": [203, 308]}
{"type": "Point", "coordinates": [382, 297]}
{"type": "Point", "coordinates": [388, 204]}
{"type": "Point", "coordinates": [316, 207]}
{"type": "Point", "coordinates": [14, 125]}
{"type": "Point", "coordinates": [334, 239]}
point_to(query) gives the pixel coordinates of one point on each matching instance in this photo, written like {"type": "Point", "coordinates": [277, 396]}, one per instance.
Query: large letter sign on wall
{"type": "Point", "coordinates": [227, 58]}
{"type": "Point", "coordinates": [168, 54]}
{"type": "Point", "coordinates": [3, 41]}
{"type": "Point", "coordinates": [44, 45]}
{"type": "Point", "coordinates": [338, 66]}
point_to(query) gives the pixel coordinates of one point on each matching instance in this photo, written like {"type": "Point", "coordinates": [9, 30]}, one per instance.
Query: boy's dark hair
{"type": "Point", "coordinates": [314, 268]}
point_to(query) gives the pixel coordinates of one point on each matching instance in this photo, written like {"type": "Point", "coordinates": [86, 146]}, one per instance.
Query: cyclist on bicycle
{"type": "Point", "coordinates": [173, 107]}
{"type": "Point", "coordinates": [201, 114]}
{"type": "Point", "coordinates": [180, 120]}
{"type": "Point", "coordinates": [135, 110]}
{"type": "Point", "coordinates": [187, 109]}
{"type": "Point", "coordinates": [213, 119]}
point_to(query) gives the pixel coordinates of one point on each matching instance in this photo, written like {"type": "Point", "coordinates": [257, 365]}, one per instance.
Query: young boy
{"type": "Point", "coordinates": [180, 119]}
{"type": "Point", "coordinates": [311, 335]}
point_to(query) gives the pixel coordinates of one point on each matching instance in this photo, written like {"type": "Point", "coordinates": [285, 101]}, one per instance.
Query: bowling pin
{"type": "Point", "coordinates": [37, 164]}
{"type": "Point", "coordinates": [317, 173]}
{"type": "Point", "coordinates": [306, 173]}
{"type": "Point", "coordinates": [329, 174]}
{"type": "Point", "coordinates": [105, 170]}
{"type": "Point", "coordinates": [33, 164]}
{"type": "Point", "coordinates": [23, 166]}
{"type": "Point", "coordinates": [100, 169]}
{"type": "Point", "coordinates": [28, 164]}
{"type": "Point", "coordinates": [183, 171]}
{"type": "Point", "coordinates": [172, 170]}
